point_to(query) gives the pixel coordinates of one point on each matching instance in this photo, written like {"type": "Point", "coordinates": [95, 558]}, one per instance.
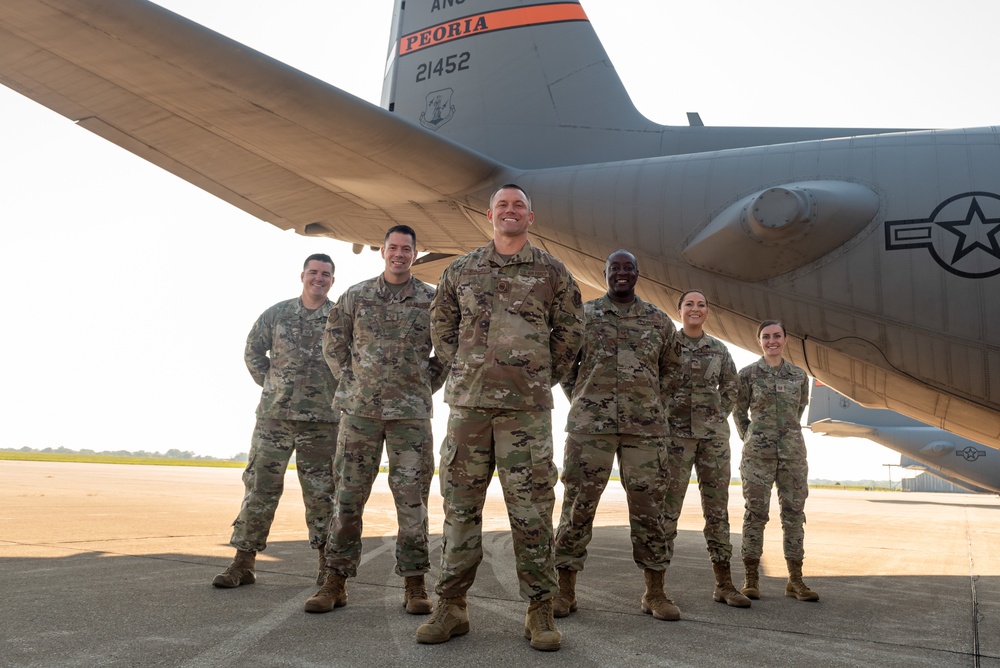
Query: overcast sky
{"type": "Point", "coordinates": [129, 292]}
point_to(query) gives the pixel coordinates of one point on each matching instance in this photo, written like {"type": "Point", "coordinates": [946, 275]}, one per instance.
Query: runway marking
{"type": "Point", "coordinates": [975, 596]}
{"type": "Point", "coordinates": [246, 639]}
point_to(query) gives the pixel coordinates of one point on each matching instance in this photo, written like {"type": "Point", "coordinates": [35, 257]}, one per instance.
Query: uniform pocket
{"type": "Point", "coordinates": [663, 451]}
{"type": "Point", "coordinates": [448, 450]}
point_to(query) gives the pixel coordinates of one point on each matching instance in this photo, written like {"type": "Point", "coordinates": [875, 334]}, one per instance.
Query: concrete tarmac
{"type": "Point", "coordinates": [111, 565]}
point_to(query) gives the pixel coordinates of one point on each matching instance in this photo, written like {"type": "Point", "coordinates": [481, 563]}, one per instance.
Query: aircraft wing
{"type": "Point", "coordinates": [269, 139]}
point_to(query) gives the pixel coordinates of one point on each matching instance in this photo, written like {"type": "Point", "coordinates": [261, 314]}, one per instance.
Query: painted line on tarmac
{"type": "Point", "coordinates": [246, 640]}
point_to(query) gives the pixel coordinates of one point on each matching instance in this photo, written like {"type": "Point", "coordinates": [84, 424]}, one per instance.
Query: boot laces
{"type": "Point", "coordinates": [656, 597]}
{"type": "Point", "coordinates": [331, 588]}
{"type": "Point", "coordinates": [727, 588]}
{"type": "Point", "coordinates": [440, 611]}
{"type": "Point", "coordinates": [416, 590]}
{"type": "Point", "coordinates": [235, 568]}
{"type": "Point", "coordinates": [543, 616]}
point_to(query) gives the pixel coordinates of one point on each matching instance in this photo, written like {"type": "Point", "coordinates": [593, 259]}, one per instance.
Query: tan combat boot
{"type": "Point", "coordinates": [725, 592]}
{"type": "Point", "coordinates": [415, 596]}
{"type": "Point", "coordinates": [321, 570]}
{"type": "Point", "coordinates": [332, 595]}
{"type": "Point", "coordinates": [240, 572]}
{"type": "Point", "coordinates": [540, 627]}
{"type": "Point", "coordinates": [654, 601]}
{"type": "Point", "coordinates": [450, 618]}
{"type": "Point", "coordinates": [751, 584]}
{"type": "Point", "coordinates": [565, 601]}
{"type": "Point", "coordinates": [796, 588]}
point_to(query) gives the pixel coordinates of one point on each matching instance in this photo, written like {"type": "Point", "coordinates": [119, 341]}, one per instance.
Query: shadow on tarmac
{"type": "Point", "coordinates": [104, 565]}
{"type": "Point", "coordinates": [95, 608]}
{"type": "Point", "coordinates": [923, 502]}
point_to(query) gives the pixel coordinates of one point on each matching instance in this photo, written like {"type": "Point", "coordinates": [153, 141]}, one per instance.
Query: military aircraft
{"type": "Point", "coordinates": [945, 455]}
{"type": "Point", "coordinates": [877, 248]}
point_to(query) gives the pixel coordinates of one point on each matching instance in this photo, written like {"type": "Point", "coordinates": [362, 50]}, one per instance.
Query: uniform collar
{"type": "Point", "coordinates": [382, 287]}
{"type": "Point", "coordinates": [635, 308]}
{"type": "Point", "coordinates": [694, 344]}
{"type": "Point", "coordinates": [323, 310]}
{"type": "Point", "coordinates": [773, 370]}
{"type": "Point", "coordinates": [525, 255]}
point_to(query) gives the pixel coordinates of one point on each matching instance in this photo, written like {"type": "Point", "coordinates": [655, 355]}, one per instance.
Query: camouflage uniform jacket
{"type": "Point", "coordinates": [703, 389]}
{"type": "Point", "coordinates": [769, 408]}
{"type": "Point", "coordinates": [506, 332]}
{"type": "Point", "coordinates": [618, 383]}
{"type": "Point", "coordinates": [284, 354]}
{"type": "Point", "coordinates": [378, 345]}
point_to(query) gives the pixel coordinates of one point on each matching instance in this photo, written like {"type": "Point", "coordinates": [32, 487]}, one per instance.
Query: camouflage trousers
{"type": "Point", "coordinates": [586, 469]}
{"type": "Point", "coordinates": [271, 447]}
{"type": "Point", "coordinates": [518, 444]}
{"type": "Point", "coordinates": [790, 476]}
{"type": "Point", "coordinates": [410, 447]}
{"type": "Point", "coordinates": [711, 459]}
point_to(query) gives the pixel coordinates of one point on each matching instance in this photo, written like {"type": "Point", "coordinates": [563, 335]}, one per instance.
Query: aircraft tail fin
{"type": "Point", "coordinates": [527, 83]}
{"type": "Point", "coordinates": [947, 456]}
{"type": "Point", "coordinates": [827, 406]}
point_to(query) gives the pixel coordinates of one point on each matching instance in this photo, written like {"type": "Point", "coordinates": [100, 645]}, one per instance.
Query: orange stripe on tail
{"type": "Point", "coordinates": [504, 19]}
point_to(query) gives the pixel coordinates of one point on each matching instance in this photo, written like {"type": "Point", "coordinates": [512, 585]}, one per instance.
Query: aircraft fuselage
{"type": "Point", "coordinates": [877, 252]}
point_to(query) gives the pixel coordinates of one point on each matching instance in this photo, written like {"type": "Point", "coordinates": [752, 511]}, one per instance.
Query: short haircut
{"type": "Point", "coordinates": [635, 260]}
{"type": "Point", "coordinates": [319, 257]}
{"type": "Point", "coordinates": [402, 229]}
{"type": "Point", "coordinates": [511, 186]}
{"type": "Point", "coordinates": [768, 323]}
{"type": "Point", "coordinates": [687, 292]}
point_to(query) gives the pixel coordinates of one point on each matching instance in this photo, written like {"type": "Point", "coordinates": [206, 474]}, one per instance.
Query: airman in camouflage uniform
{"type": "Point", "coordinates": [507, 321]}
{"type": "Point", "coordinates": [616, 390]}
{"type": "Point", "coordinates": [702, 394]}
{"type": "Point", "coordinates": [378, 345]}
{"type": "Point", "coordinates": [772, 395]}
{"type": "Point", "coordinates": [284, 354]}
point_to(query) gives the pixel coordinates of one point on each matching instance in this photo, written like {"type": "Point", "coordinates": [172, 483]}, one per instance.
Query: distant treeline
{"type": "Point", "coordinates": [173, 453]}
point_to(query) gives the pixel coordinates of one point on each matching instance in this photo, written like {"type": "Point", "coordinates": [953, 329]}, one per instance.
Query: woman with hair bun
{"type": "Point", "coordinates": [772, 395]}
{"type": "Point", "coordinates": [702, 394]}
